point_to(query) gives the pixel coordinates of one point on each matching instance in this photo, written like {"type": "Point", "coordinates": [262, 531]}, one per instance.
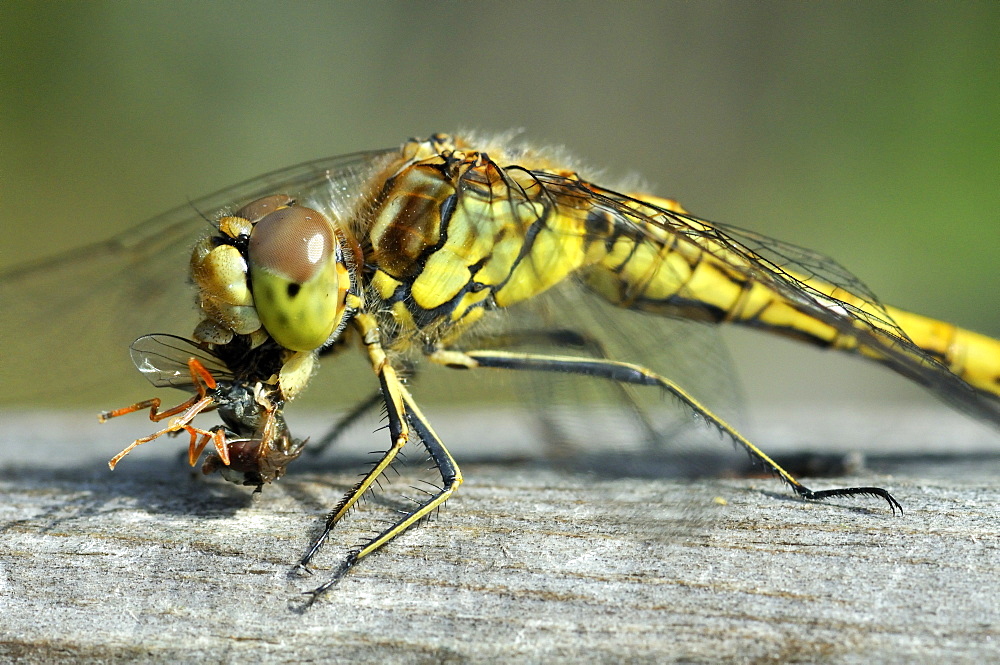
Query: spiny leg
{"type": "Point", "coordinates": [399, 432]}
{"type": "Point", "coordinates": [557, 338]}
{"type": "Point", "coordinates": [451, 478]}
{"type": "Point", "coordinates": [638, 375]}
{"type": "Point", "coordinates": [567, 337]}
{"type": "Point", "coordinates": [400, 410]}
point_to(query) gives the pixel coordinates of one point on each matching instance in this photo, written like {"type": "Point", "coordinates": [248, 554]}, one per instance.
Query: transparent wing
{"type": "Point", "coordinates": [794, 273]}
{"type": "Point", "coordinates": [68, 320]}
{"type": "Point", "coordinates": [163, 360]}
{"type": "Point", "coordinates": [872, 326]}
{"type": "Point", "coordinates": [619, 430]}
{"type": "Point", "coordinates": [506, 216]}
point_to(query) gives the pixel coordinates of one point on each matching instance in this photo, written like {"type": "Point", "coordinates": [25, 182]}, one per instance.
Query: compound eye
{"type": "Point", "coordinates": [258, 209]}
{"type": "Point", "coordinates": [293, 277]}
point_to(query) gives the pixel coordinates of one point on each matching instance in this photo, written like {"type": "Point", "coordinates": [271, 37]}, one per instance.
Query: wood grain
{"type": "Point", "coordinates": [525, 564]}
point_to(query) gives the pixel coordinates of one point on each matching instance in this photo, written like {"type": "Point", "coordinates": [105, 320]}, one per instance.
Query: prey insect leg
{"type": "Point", "coordinates": [198, 403]}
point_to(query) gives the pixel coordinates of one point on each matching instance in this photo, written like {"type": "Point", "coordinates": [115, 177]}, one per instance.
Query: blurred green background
{"type": "Point", "coordinates": [868, 131]}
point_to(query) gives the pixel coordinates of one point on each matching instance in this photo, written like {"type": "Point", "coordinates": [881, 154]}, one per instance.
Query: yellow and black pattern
{"type": "Point", "coordinates": [456, 233]}
{"type": "Point", "coordinates": [414, 250]}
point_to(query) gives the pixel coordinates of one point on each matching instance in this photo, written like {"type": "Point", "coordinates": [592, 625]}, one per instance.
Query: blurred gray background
{"type": "Point", "coordinates": [867, 131]}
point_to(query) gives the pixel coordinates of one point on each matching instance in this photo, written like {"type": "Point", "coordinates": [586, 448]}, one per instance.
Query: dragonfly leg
{"type": "Point", "coordinates": [451, 478]}
{"type": "Point", "coordinates": [562, 338]}
{"type": "Point", "coordinates": [629, 373]}
{"type": "Point", "coordinates": [399, 432]}
{"type": "Point", "coordinates": [402, 412]}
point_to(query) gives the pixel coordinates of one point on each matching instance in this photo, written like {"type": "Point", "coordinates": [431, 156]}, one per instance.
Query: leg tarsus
{"type": "Point", "coordinates": [819, 495]}
{"type": "Point", "coordinates": [342, 569]}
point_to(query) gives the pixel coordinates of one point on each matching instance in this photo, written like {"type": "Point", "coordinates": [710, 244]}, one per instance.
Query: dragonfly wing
{"type": "Point", "coordinates": [870, 324]}
{"type": "Point", "coordinates": [68, 319]}
{"type": "Point", "coordinates": [527, 240]}
{"type": "Point", "coordinates": [616, 429]}
{"type": "Point", "coordinates": [817, 286]}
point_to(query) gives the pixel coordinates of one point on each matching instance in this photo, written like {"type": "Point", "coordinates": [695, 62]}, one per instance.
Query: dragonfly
{"type": "Point", "coordinates": [439, 252]}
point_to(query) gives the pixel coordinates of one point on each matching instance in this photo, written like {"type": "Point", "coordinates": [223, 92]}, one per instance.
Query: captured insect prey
{"type": "Point", "coordinates": [452, 251]}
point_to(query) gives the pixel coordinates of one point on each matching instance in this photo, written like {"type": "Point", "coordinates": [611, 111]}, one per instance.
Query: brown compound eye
{"type": "Point", "coordinates": [257, 210]}
{"type": "Point", "coordinates": [295, 242]}
{"type": "Point", "coordinates": [293, 276]}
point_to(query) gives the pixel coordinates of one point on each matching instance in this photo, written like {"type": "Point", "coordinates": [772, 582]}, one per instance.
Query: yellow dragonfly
{"type": "Point", "coordinates": [431, 251]}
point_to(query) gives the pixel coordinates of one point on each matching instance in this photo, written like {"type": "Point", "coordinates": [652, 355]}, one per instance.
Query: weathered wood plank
{"type": "Point", "coordinates": [524, 564]}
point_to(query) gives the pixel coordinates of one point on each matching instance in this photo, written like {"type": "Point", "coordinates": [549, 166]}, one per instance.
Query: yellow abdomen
{"type": "Point", "coordinates": [709, 279]}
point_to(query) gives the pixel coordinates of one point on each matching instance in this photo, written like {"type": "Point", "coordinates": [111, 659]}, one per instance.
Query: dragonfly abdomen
{"type": "Point", "coordinates": [973, 357]}
{"type": "Point", "coordinates": [656, 273]}
{"type": "Point", "coordinates": [700, 277]}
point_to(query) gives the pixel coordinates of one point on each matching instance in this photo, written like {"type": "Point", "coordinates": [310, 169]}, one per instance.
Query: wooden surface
{"type": "Point", "coordinates": [525, 564]}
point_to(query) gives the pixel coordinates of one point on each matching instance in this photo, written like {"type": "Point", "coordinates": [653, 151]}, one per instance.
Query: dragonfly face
{"type": "Point", "coordinates": [273, 287]}
{"type": "Point", "coordinates": [412, 252]}
{"type": "Point", "coordinates": [276, 268]}
{"type": "Point", "coordinates": [278, 275]}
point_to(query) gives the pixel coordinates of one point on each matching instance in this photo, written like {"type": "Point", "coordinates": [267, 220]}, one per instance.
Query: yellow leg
{"type": "Point", "coordinates": [637, 375]}
{"type": "Point", "coordinates": [402, 413]}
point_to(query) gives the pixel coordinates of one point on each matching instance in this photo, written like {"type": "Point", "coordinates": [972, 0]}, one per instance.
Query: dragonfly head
{"type": "Point", "coordinates": [299, 277]}
{"type": "Point", "coordinates": [276, 268]}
